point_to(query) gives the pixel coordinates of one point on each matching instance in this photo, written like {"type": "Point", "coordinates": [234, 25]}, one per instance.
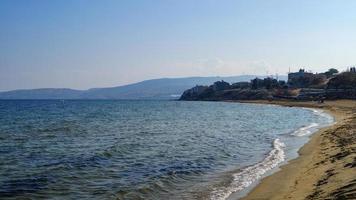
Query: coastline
{"type": "Point", "coordinates": [325, 165]}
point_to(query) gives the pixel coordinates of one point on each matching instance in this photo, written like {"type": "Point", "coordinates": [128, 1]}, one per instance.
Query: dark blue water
{"type": "Point", "coordinates": [142, 149]}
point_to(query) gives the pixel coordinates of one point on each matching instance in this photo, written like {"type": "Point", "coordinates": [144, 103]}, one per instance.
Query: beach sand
{"type": "Point", "coordinates": [326, 167]}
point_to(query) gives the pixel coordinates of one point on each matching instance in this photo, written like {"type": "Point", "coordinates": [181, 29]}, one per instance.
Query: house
{"type": "Point", "coordinates": [300, 74]}
{"type": "Point", "coordinates": [304, 79]}
{"type": "Point", "coordinates": [220, 85]}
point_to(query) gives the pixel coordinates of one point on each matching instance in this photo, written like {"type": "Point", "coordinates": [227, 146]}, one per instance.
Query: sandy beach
{"type": "Point", "coordinates": [325, 168]}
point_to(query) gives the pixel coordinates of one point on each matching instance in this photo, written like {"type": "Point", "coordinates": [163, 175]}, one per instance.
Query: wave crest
{"type": "Point", "coordinates": [248, 175]}
{"type": "Point", "coordinates": [305, 130]}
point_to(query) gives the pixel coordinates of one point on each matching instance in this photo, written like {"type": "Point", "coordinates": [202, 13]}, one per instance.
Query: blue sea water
{"type": "Point", "coordinates": [96, 149]}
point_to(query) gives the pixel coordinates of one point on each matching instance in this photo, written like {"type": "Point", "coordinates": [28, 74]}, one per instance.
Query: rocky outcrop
{"type": "Point", "coordinates": [346, 80]}
{"type": "Point", "coordinates": [342, 86]}
{"type": "Point", "coordinates": [221, 90]}
{"type": "Point", "coordinates": [194, 93]}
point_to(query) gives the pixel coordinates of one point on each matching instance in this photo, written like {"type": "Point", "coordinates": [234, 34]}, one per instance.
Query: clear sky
{"type": "Point", "coordinates": [85, 43]}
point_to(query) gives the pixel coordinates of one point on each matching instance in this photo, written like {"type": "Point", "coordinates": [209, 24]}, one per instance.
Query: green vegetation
{"type": "Point", "coordinates": [331, 72]}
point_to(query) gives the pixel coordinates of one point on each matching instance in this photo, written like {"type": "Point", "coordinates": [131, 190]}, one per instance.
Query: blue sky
{"type": "Point", "coordinates": [85, 43]}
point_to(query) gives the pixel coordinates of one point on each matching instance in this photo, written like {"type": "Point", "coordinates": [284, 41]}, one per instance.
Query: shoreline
{"type": "Point", "coordinates": [325, 165]}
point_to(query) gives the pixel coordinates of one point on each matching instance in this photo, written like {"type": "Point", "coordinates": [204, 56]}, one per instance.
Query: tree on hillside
{"type": "Point", "coordinates": [331, 72]}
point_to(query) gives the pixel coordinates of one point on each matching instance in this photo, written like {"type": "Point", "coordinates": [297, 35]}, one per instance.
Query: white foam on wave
{"type": "Point", "coordinates": [323, 114]}
{"type": "Point", "coordinates": [305, 130]}
{"type": "Point", "coordinates": [251, 174]}
{"type": "Point", "coordinates": [247, 176]}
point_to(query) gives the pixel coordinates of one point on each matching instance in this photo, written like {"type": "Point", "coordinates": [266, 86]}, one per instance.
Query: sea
{"type": "Point", "coordinates": [145, 149]}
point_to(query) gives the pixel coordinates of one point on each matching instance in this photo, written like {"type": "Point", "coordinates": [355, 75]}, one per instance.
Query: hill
{"type": "Point", "coordinates": [164, 88]}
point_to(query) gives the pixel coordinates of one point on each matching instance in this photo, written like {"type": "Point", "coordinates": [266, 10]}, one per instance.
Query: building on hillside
{"type": "Point", "coordinates": [302, 79]}
{"type": "Point", "coordinates": [295, 78]}
{"type": "Point", "coordinates": [220, 85]}
{"type": "Point", "coordinates": [353, 69]}
{"type": "Point", "coordinates": [301, 73]}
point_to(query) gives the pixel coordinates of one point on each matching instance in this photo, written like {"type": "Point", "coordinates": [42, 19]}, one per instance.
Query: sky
{"type": "Point", "coordinates": [82, 44]}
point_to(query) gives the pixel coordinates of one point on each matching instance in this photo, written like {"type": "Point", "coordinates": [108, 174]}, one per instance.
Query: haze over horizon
{"type": "Point", "coordinates": [85, 44]}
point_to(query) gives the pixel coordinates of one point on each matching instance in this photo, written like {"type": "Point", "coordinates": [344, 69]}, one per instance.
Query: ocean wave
{"type": "Point", "coordinates": [305, 130]}
{"type": "Point", "coordinates": [309, 129]}
{"type": "Point", "coordinates": [323, 114]}
{"type": "Point", "coordinates": [247, 176]}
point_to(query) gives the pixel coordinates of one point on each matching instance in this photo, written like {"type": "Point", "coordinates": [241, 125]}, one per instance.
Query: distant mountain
{"type": "Point", "coordinates": [164, 88]}
{"type": "Point", "coordinates": [43, 93]}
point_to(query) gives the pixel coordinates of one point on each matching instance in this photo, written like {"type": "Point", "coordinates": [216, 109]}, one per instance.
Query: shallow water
{"type": "Point", "coordinates": [144, 149]}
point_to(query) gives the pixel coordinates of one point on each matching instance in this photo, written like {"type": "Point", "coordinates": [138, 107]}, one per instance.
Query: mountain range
{"type": "Point", "coordinates": [163, 88]}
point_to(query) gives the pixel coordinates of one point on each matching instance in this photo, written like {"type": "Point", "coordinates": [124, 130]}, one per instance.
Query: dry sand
{"type": "Point", "coordinates": [326, 167]}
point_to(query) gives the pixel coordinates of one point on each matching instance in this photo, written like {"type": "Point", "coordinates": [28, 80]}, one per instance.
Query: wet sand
{"type": "Point", "coordinates": [326, 167]}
